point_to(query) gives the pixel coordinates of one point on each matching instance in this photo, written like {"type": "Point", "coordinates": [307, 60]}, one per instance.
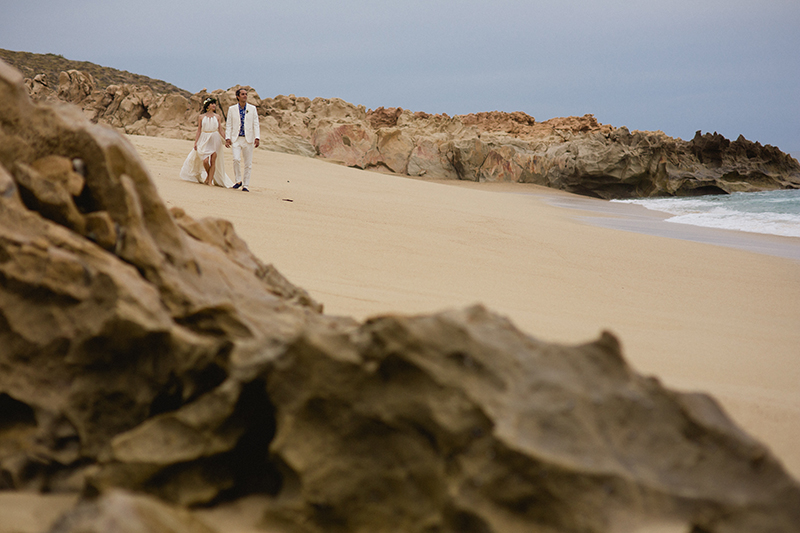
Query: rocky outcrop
{"type": "Point", "coordinates": [575, 154]}
{"type": "Point", "coordinates": [143, 350]}
{"type": "Point", "coordinates": [94, 270]}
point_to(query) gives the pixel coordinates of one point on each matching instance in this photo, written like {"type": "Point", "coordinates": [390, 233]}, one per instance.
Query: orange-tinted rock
{"type": "Point", "coordinates": [428, 158]}
{"type": "Point", "coordinates": [352, 144]}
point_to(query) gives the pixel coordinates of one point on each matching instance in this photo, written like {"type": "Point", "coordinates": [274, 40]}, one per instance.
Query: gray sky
{"type": "Point", "coordinates": [730, 66]}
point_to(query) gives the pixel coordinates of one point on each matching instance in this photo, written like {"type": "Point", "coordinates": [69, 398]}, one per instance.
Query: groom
{"type": "Point", "coordinates": [242, 126]}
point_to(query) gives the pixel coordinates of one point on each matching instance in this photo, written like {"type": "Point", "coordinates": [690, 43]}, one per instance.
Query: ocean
{"type": "Point", "coordinates": [762, 222]}
{"type": "Point", "coordinates": [772, 212]}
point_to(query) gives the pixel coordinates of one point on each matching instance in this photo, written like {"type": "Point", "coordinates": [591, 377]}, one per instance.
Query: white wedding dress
{"type": "Point", "coordinates": [209, 142]}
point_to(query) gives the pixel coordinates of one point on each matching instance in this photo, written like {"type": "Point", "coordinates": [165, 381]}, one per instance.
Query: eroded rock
{"type": "Point", "coordinates": [107, 277]}
{"type": "Point", "coordinates": [75, 86]}
{"type": "Point", "coordinates": [351, 144]}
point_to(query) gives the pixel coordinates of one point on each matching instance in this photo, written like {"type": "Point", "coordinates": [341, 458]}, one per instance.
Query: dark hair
{"type": "Point", "coordinates": [240, 90]}
{"type": "Point", "coordinates": [207, 102]}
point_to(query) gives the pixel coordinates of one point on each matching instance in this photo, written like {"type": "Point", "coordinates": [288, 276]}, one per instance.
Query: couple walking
{"type": "Point", "coordinates": [207, 157]}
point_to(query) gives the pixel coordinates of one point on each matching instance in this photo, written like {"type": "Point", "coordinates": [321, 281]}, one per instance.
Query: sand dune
{"type": "Point", "coordinates": [697, 316]}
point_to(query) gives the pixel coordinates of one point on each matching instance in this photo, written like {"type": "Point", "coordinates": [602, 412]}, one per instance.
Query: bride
{"type": "Point", "coordinates": [206, 164]}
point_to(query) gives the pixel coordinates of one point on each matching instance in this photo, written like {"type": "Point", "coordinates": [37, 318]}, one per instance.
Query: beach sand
{"type": "Point", "coordinates": [720, 319]}
{"type": "Point", "coordinates": [698, 316]}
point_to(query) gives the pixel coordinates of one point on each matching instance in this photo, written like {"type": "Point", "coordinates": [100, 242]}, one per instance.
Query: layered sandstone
{"type": "Point", "coordinates": [575, 154]}
{"type": "Point", "coordinates": [144, 351]}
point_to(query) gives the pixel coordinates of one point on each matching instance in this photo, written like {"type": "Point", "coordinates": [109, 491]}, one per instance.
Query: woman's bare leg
{"type": "Point", "coordinates": [207, 166]}
{"type": "Point", "coordinates": [210, 179]}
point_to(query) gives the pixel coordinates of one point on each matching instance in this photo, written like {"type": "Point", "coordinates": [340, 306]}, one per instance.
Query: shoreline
{"type": "Point", "coordinates": [639, 219]}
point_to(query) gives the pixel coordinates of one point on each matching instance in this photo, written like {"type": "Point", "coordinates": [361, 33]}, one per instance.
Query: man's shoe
{"type": "Point", "coordinates": [236, 186]}
{"type": "Point", "coordinates": [244, 189]}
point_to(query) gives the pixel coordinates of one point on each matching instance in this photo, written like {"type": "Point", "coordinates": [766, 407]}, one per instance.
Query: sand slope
{"type": "Point", "coordinates": [698, 316]}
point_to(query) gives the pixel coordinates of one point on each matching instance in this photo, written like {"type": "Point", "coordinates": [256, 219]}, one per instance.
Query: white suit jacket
{"type": "Point", "coordinates": [251, 129]}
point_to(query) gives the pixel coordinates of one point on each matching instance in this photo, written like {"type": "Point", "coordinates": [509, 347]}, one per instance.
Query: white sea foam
{"type": "Point", "coordinates": [773, 212]}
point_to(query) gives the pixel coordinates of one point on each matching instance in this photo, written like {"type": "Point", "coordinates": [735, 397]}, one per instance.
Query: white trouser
{"type": "Point", "coordinates": [242, 150]}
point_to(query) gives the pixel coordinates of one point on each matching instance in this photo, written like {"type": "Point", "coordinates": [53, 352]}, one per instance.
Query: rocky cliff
{"type": "Point", "coordinates": [151, 363]}
{"type": "Point", "coordinates": [575, 154]}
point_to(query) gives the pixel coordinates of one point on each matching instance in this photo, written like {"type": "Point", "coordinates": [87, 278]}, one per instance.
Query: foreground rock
{"type": "Point", "coordinates": [575, 154]}
{"type": "Point", "coordinates": [146, 351]}
{"type": "Point", "coordinates": [96, 270]}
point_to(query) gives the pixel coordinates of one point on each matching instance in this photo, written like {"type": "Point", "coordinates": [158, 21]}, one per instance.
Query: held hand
{"type": "Point", "coordinates": [227, 143]}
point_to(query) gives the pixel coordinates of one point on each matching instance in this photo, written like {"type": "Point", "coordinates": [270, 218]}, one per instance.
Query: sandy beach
{"type": "Point", "coordinates": [699, 316]}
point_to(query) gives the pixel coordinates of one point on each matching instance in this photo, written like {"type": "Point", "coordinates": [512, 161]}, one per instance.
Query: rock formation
{"type": "Point", "coordinates": [144, 351]}
{"type": "Point", "coordinates": [575, 154]}
{"type": "Point", "coordinates": [95, 270]}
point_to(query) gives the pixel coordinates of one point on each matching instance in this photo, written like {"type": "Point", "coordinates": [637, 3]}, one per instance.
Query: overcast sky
{"type": "Point", "coordinates": [678, 66]}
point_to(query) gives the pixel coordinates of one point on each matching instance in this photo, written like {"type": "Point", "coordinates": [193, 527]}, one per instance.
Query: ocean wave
{"type": "Point", "coordinates": [773, 212]}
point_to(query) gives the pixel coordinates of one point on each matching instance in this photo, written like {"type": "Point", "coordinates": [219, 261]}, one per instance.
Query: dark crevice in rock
{"type": "Point", "coordinates": [123, 345]}
{"type": "Point", "coordinates": [244, 470]}
{"type": "Point", "coordinates": [209, 377]}
{"type": "Point", "coordinates": [14, 413]}
{"type": "Point", "coordinates": [584, 191]}
{"type": "Point", "coordinates": [169, 398]}
{"type": "Point", "coordinates": [464, 521]}
{"type": "Point", "coordinates": [216, 321]}
{"type": "Point", "coordinates": [379, 167]}
{"type": "Point", "coordinates": [687, 190]}
{"type": "Point", "coordinates": [178, 391]}
{"type": "Point", "coordinates": [250, 463]}
{"type": "Point", "coordinates": [85, 202]}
